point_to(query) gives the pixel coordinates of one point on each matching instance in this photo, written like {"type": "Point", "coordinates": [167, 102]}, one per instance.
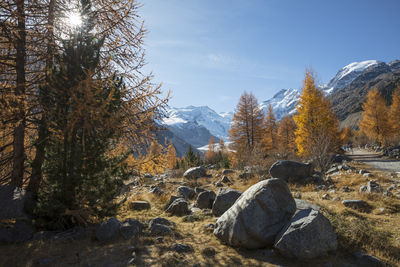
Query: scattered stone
{"type": "Point", "coordinates": [336, 199]}
{"type": "Point", "coordinates": [225, 180]}
{"type": "Point", "coordinates": [388, 194]}
{"type": "Point", "coordinates": [156, 190]}
{"type": "Point", "coordinates": [321, 187]}
{"type": "Point", "coordinates": [160, 239]}
{"type": "Point", "coordinates": [186, 192]}
{"type": "Point", "coordinates": [227, 171]}
{"type": "Point", "coordinates": [291, 170]}
{"type": "Point", "coordinates": [159, 220]}
{"type": "Point", "coordinates": [181, 248]}
{"type": "Point", "coordinates": [256, 217]}
{"type": "Point", "coordinates": [362, 171]}
{"type": "Point", "coordinates": [346, 189]}
{"type": "Point", "coordinates": [368, 260]}
{"type": "Point", "coordinates": [160, 184]}
{"type": "Point", "coordinates": [308, 235]}
{"type": "Point", "coordinates": [360, 205]}
{"type": "Point", "coordinates": [326, 196]}
{"type": "Point", "coordinates": [160, 230]}
{"type": "Point", "coordinates": [209, 227]}
{"type": "Point", "coordinates": [108, 230]}
{"type": "Point", "coordinates": [245, 175]}
{"type": "Point", "coordinates": [368, 175]}
{"type": "Point", "coordinates": [195, 172]}
{"type": "Point", "coordinates": [304, 205]}
{"type": "Point", "coordinates": [172, 199]}
{"type": "Point", "coordinates": [219, 184]}
{"type": "Point", "coordinates": [131, 228]}
{"type": "Point", "coordinates": [224, 200]}
{"type": "Point", "coordinates": [332, 191]}
{"type": "Point", "coordinates": [148, 176]}
{"type": "Point", "coordinates": [139, 205]}
{"type": "Point", "coordinates": [205, 200]}
{"type": "Point", "coordinates": [332, 170]}
{"type": "Point", "coordinates": [209, 252]}
{"type": "Point", "coordinates": [179, 207]}
{"type": "Point", "coordinates": [198, 190]}
{"type": "Point", "coordinates": [363, 189]}
{"type": "Point", "coordinates": [374, 187]}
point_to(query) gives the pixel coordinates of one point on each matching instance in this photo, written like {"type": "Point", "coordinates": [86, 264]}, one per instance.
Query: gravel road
{"type": "Point", "coordinates": [375, 160]}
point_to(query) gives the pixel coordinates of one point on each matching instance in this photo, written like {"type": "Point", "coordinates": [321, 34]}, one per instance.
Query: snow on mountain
{"type": "Point", "coordinates": [347, 74]}
{"type": "Point", "coordinates": [217, 124]}
{"type": "Point", "coordinates": [283, 103]}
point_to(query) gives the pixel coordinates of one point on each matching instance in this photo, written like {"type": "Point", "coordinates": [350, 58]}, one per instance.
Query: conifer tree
{"type": "Point", "coordinates": [190, 157]}
{"type": "Point", "coordinates": [270, 131]}
{"type": "Point", "coordinates": [374, 123]}
{"type": "Point", "coordinates": [394, 115]}
{"type": "Point", "coordinates": [210, 156]}
{"type": "Point", "coordinates": [317, 125]}
{"type": "Point", "coordinates": [286, 136]}
{"type": "Point", "coordinates": [171, 157]}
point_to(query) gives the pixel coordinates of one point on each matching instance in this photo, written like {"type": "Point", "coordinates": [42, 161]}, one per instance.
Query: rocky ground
{"type": "Point", "coordinates": [169, 220]}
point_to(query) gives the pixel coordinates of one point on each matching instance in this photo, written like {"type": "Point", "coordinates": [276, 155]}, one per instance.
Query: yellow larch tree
{"type": "Point", "coordinates": [212, 150]}
{"type": "Point", "coordinates": [394, 115]}
{"type": "Point", "coordinates": [286, 137]}
{"type": "Point", "coordinates": [374, 123]}
{"type": "Point", "coordinates": [171, 156]}
{"type": "Point", "coordinates": [317, 133]}
{"type": "Point", "coordinates": [270, 132]}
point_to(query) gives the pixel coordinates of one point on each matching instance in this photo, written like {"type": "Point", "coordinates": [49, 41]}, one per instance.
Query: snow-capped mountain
{"type": "Point", "coordinates": [217, 124]}
{"type": "Point", "coordinates": [283, 103]}
{"type": "Point", "coordinates": [347, 74]}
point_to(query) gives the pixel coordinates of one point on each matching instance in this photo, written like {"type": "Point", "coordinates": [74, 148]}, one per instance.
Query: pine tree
{"type": "Point", "coordinates": [374, 121]}
{"type": "Point", "coordinates": [246, 128]}
{"type": "Point", "coordinates": [317, 125]}
{"type": "Point", "coordinates": [270, 131]}
{"type": "Point", "coordinates": [394, 114]}
{"type": "Point", "coordinates": [190, 157]}
{"type": "Point", "coordinates": [286, 136]}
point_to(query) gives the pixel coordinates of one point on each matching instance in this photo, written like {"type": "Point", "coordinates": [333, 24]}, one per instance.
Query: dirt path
{"type": "Point", "coordinates": [375, 160]}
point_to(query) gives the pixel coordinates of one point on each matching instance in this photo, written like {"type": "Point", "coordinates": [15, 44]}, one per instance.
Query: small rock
{"type": "Point", "coordinates": [195, 172]}
{"type": "Point", "coordinates": [225, 180]}
{"type": "Point", "coordinates": [363, 189]}
{"type": "Point", "coordinates": [245, 175]}
{"type": "Point", "coordinates": [219, 184]}
{"type": "Point", "coordinates": [179, 207]}
{"type": "Point", "coordinates": [205, 200]}
{"type": "Point", "coordinates": [181, 248]}
{"type": "Point", "coordinates": [357, 205]}
{"type": "Point", "coordinates": [291, 170]}
{"type": "Point", "coordinates": [321, 187]}
{"type": "Point", "coordinates": [160, 230]}
{"type": "Point", "coordinates": [171, 199]}
{"type": "Point", "coordinates": [209, 227]}
{"type": "Point", "coordinates": [131, 228]}
{"type": "Point", "coordinates": [108, 230]}
{"type": "Point", "coordinates": [139, 205]}
{"type": "Point", "coordinates": [362, 171]}
{"type": "Point", "coordinates": [160, 239]}
{"type": "Point", "coordinates": [148, 176]}
{"type": "Point", "coordinates": [346, 189]}
{"type": "Point", "coordinates": [227, 171]}
{"type": "Point", "coordinates": [368, 175]}
{"type": "Point", "coordinates": [186, 192]}
{"type": "Point", "coordinates": [332, 191]}
{"type": "Point", "coordinates": [156, 190]}
{"type": "Point", "coordinates": [374, 187]}
{"type": "Point", "coordinates": [326, 196]}
{"type": "Point", "coordinates": [209, 252]}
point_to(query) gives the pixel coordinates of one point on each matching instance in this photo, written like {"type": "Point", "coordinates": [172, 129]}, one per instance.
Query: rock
{"type": "Point", "coordinates": [308, 235]}
{"type": "Point", "coordinates": [139, 205]}
{"type": "Point", "coordinates": [160, 230]}
{"type": "Point", "coordinates": [209, 227]}
{"type": "Point", "coordinates": [209, 252]}
{"type": "Point", "coordinates": [155, 190]}
{"type": "Point", "coordinates": [291, 170]}
{"type": "Point", "coordinates": [326, 196]}
{"type": "Point", "coordinates": [368, 260]}
{"type": "Point", "coordinates": [362, 171]}
{"type": "Point", "coordinates": [304, 205]}
{"type": "Point", "coordinates": [159, 220]}
{"type": "Point", "coordinates": [321, 187]}
{"type": "Point", "coordinates": [224, 200]}
{"type": "Point", "coordinates": [245, 175]}
{"type": "Point", "coordinates": [186, 192]}
{"type": "Point", "coordinates": [131, 228]}
{"type": "Point", "coordinates": [362, 189]}
{"type": "Point", "coordinates": [357, 205]}
{"type": "Point", "coordinates": [179, 207]}
{"type": "Point", "coordinates": [219, 184]}
{"type": "Point", "coordinates": [368, 175]}
{"type": "Point", "coordinates": [12, 203]}
{"type": "Point", "coordinates": [332, 170]}
{"type": "Point", "coordinates": [198, 190]}
{"type": "Point", "coordinates": [227, 171]}
{"type": "Point", "coordinates": [332, 191]}
{"type": "Point", "coordinates": [195, 172]}
{"type": "Point", "coordinates": [181, 248]}
{"type": "Point", "coordinates": [148, 176]}
{"type": "Point", "coordinates": [225, 180]}
{"type": "Point", "coordinates": [374, 187]}
{"type": "Point", "coordinates": [346, 189]}
{"type": "Point", "coordinates": [108, 230]}
{"type": "Point", "coordinates": [297, 195]}
{"type": "Point", "coordinates": [161, 184]}
{"type": "Point", "coordinates": [328, 179]}
{"type": "Point", "coordinates": [205, 200]}
{"type": "Point", "coordinates": [172, 199]}
{"type": "Point", "coordinates": [257, 216]}
{"type": "Point", "coordinates": [160, 239]}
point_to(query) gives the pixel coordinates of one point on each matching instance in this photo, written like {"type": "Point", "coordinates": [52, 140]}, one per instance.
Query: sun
{"type": "Point", "coordinates": [74, 19]}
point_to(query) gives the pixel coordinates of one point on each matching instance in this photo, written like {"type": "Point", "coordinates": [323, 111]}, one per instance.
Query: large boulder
{"type": "Point", "coordinates": [187, 192]}
{"type": "Point", "coordinates": [195, 172]}
{"type": "Point", "coordinates": [139, 205]}
{"type": "Point", "coordinates": [291, 170]}
{"type": "Point", "coordinates": [179, 207]}
{"type": "Point", "coordinates": [205, 200]}
{"type": "Point", "coordinates": [308, 235]}
{"type": "Point", "coordinates": [108, 230]}
{"type": "Point", "coordinates": [257, 216]}
{"type": "Point", "coordinates": [12, 203]}
{"type": "Point", "coordinates": [131, 228]}
{"type": "Point", "coordinates": [224, 200]}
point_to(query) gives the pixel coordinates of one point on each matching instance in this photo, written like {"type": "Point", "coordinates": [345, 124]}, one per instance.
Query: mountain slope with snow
{"type": "Point", "coordinates": [283, 103]}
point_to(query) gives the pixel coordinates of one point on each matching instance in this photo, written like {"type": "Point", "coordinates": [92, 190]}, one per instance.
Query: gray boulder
{"type": "Point", "coordinates": [179, 207]}
{"type": "Point", "coordinates": [304, 205]}
{"type": "Point", "coordinates": [12, 203]}
{"type": "Point", "coordinates": [172, 199]}
{"type": "Point", "coordinates": [227, 171]}
{"type": "Point", "coordinates": [195, 172]}
{"type": "Point", "coordinates": [374, 187]}
{"type": "Point", "coordinates": [181, 248]}
{"type": "Point", "coordinates": [159, 220]}
{"type": "Point", "coordinates": [308, 235]}
{"type": "Point", "coordinates": [160, 230]}
{"type": "Point", "coordinates": [257, 216]}
{"type": "Point", "coordinates": [291, 170]}
{"type": "Point", "coordinates": [205, 200]}
{"type": "Point", "coordinates": [224, 200]}
{"type": "Point", "coordinates": [186, 192]}
{"type": "Point", "coordinates": [131, 228]}
{"type": "Point", "coordinates": [108, 230]}
{"type": "Point", "coordinates": [368, 260]}
{"type": "Point", "coordinates": [198, 190]}
{"type": "Point", "coordinates": [225, 180]}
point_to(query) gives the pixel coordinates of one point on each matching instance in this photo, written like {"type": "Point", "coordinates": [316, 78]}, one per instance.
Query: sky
{"type": "Point", "coordinates": [208, 52]}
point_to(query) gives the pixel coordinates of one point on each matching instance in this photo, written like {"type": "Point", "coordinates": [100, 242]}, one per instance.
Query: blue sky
{"type": "Point", "coordinates": [208, 52]}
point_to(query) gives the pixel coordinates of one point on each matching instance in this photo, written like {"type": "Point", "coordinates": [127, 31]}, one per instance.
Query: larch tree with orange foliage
{"type": "Point", "coordinates": [394, 115]}
{"type": "Point", "coordinates": [211, 153]}
{"type": "Point", "coordinates": [246, 128]}
{"type": "Point", "coordinates": [270, 133]}
{"type": "Point", "coordinates": [317, 125]}
{"type": "Point", "coordinates": [171, 156]}
{"type": "Point", "coordinates": [374, 123]}
{"type": "Point", "coordinates": [286, 136]}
